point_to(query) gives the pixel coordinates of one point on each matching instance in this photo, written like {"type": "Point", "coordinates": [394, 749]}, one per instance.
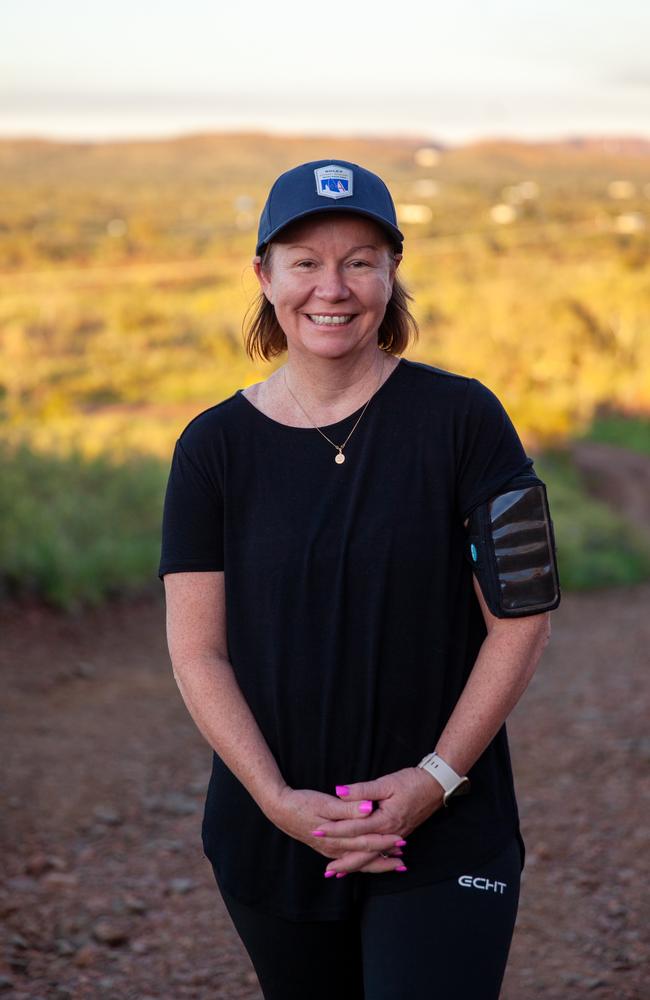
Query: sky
{"type": "Point", "coordinates": [452, 72]}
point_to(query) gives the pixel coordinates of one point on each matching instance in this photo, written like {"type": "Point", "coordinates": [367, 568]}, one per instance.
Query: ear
{"type": "Point", "coordinates": [393, 265]}
{"type": "Point", "coordinates": [262, 277]}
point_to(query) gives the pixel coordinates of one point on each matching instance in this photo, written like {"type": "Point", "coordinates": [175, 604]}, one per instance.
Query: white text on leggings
{"type": "Point", "coordinates": [481, 883]}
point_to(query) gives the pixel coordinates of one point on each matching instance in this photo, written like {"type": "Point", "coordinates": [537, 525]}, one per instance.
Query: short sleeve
{"type": "Point", "coordinates": [491, 452]}
{"type": "Point", "coordinates": [192, 523]}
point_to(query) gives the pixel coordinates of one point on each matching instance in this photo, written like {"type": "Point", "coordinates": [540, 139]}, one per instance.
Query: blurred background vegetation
{"type": "Point", "coordinates": [125, 273]}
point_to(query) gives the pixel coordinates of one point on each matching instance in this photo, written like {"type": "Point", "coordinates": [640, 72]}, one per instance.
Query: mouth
{"type": "Point", "coordinates": [325, 319]}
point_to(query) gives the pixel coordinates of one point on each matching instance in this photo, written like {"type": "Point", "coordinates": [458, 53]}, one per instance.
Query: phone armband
{"type": "Point", "coordinates": [510, 546]}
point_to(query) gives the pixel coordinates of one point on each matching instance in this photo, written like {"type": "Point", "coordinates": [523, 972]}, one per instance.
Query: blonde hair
{"type": "Point", "coordinates": [264, 337]}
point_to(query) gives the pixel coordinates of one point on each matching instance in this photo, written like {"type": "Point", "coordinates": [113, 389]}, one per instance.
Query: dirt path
{"type": "Point", "coordinates": [106, 893]}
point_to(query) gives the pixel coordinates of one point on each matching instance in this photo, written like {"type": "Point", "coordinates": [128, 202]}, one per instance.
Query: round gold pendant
{"type": "Point", "coordinates": [340, 458]}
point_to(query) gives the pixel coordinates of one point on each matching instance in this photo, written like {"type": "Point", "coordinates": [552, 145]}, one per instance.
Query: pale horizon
{"type": "Point", "coordinates": [74, 71]}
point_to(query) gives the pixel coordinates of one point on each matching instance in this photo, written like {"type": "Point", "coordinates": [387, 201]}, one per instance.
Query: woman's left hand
{"type": "Point", "coordinates": [404, 800]}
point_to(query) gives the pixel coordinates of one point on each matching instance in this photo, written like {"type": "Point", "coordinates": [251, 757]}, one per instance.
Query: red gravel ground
{"type": "Point", "coordinates": [106, 893]}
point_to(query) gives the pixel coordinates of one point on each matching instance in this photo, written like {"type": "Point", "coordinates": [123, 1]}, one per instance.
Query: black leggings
{"type": "Point", "coordinates": [445, 941]}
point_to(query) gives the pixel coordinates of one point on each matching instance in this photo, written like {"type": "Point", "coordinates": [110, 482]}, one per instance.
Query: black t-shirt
{"type": "Point", "coordinates": [352, 622]}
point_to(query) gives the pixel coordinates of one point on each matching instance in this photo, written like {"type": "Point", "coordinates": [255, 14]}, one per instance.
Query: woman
{"type": "Point", "coordinates": [327, 632]}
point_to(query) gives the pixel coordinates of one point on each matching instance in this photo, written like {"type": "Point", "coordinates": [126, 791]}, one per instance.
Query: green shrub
{"type": "Point", "coordinates": [595, 546]}
{"type": "Point", "coordinates": [75, 530]}
{"type": "Point", "coordinates": [621, 430]}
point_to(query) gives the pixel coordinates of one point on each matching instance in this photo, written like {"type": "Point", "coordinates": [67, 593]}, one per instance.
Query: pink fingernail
{"type": "Point", "coordinates": [400, 843]}
{"type": "Point", "coordinates": [317, 833]}
{"type": "Point", "coordinates": [401, 868]}
{"type": "Point", "coordinates": [341, 874]}
{"type": "Point", "coordinates": [342, 790]}
{"type": "Point", "coordinates": [365, 806]}
{"type": "Point", "coordinates": [329, 874]}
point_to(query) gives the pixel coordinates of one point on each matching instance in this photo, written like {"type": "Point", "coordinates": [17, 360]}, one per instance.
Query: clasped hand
{"type": "Point", "coordinates": [334, 825]}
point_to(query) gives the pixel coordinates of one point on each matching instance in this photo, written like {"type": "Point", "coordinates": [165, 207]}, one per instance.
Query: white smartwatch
{"type": "Point", "coordinates": [452, 783]}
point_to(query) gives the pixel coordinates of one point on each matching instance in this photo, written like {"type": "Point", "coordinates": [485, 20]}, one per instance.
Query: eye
{"type": "Point", "coordinates": [358, 264]}
{"type": "Point", "coordinates": [304, 265]}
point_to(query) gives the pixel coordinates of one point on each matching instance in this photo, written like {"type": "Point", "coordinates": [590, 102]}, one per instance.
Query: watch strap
{"type": "Point", "coordinates": [442, 772]}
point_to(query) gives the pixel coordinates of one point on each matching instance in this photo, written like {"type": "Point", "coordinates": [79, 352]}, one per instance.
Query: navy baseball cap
{"type": "Point", "coordinates": [326, 186]}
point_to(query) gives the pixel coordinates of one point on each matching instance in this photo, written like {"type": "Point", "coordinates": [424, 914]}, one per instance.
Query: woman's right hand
{"type": "Point", "coordinates": [298, 812]}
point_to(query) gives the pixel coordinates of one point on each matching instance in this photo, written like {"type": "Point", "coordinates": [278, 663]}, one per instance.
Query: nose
{"type": "Point", "coordinates": [331, 285]}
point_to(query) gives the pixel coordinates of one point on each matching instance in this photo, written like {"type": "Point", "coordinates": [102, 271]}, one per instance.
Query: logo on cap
{"type": "Point", "coordinates": [333, 181]}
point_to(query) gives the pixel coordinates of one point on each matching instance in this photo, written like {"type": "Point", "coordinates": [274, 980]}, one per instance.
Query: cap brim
{"type": "Point", "coordinates": [386, 226]}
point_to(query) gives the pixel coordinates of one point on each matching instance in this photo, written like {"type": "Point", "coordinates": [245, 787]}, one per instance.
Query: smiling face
{"type": "Point", "coordinates": [329, 280]}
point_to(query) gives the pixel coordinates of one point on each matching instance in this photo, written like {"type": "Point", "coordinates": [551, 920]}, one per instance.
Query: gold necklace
{"type": "Point", "coordinates": [339, 458]}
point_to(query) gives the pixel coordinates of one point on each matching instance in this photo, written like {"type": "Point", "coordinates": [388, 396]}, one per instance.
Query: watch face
{"type": "Point", "coordinates": [462, 788]}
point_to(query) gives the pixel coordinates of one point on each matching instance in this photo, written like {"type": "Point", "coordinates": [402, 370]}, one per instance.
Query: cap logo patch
{"type": "Point", "coordinates": [333, 181]}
